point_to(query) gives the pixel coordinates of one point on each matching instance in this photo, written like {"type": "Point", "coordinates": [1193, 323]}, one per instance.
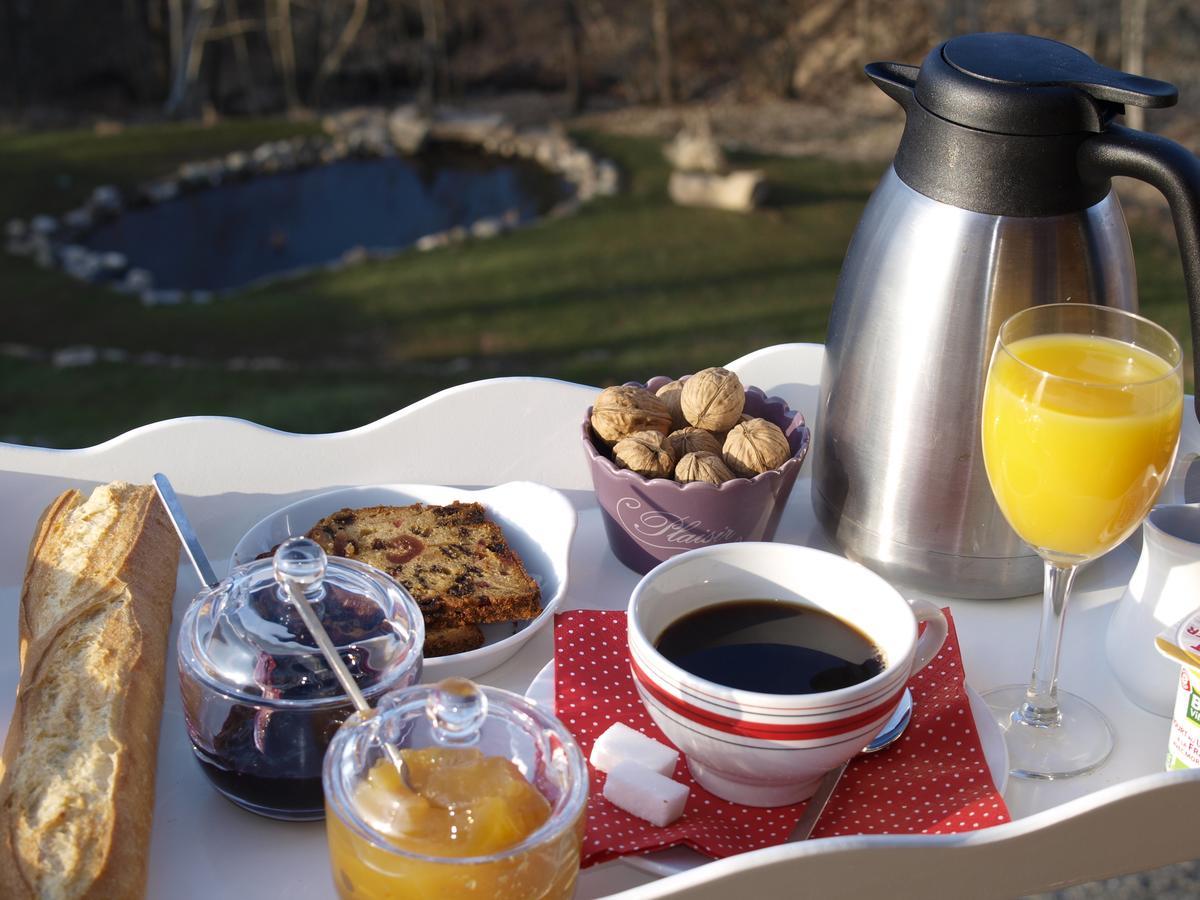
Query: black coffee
{"type": "Point", "coordinates": [770, 646]}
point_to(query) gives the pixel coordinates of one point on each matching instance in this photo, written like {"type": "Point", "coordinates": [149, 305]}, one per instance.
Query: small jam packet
{"type": "Point", "coordinates": [1181, 643]}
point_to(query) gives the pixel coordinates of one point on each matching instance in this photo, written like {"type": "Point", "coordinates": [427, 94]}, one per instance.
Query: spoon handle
{"type": "Point", "coordinates": [892, 730]}
{"type": "Point", "coordinates": [321, 636]}
{"type": "Point", "coordinates": [817, 803]}
{"type": "Point", "coordinates": [313, 623]}
{"type": "Point", "coordinates": [183, 527]}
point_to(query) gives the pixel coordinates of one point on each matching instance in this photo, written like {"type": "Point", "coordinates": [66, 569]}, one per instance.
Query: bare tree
{"type": "Point", "coordinates": [1133, 51]}
{"type": "Point", "coordinates": [279, 33]}
{"type": "Point", "coordinates": [660, 22]}
{"type": "Point", "coordinates": [433, 54]}
{"type": "Point", "coordinates": [175, 31]}
{"type": "Point", "coordinates": [241, 51]}
{"type": "Point", "coordinates": [864, 29]}
{"type": "Point", "coordinates": [187, 67]}
{"type": "Point", "coordinates": [211, 21]}
{"type": "Point", "coordinates": [333, 60]}
{"type": "Point", "coordinates": [573, 54]}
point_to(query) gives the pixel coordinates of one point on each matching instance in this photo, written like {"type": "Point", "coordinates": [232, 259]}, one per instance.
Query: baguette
{"type": "Point", "coordinates": [77, 771]}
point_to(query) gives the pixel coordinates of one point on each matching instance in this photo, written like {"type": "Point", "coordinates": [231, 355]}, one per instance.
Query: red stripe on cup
{"type": "Point", "coordinates": [887, 686]}
{"type": "Point", "coordinates": [766, 731]}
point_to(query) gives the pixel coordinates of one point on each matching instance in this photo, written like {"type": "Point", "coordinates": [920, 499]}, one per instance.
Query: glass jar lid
{"type": "Point", "coordinates": [245, 638]}
{"type": "Point", "coordinates": [465, 748]}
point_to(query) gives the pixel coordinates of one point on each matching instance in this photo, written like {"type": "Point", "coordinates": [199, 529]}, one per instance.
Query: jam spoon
{"type": "Point", "coordinates": [183, 528]}
{"type": "Point", "coordinates": [299, 562]}
{"type": "Point", "coordinates": [892, 729]}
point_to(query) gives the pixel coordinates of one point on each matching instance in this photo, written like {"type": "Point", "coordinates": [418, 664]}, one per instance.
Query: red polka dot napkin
{"type": "Point", "coordinates": [934, 780]}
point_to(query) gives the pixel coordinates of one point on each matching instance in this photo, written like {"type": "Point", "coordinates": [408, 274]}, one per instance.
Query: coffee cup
{"type": "Point", "coordinates": [771, 749]}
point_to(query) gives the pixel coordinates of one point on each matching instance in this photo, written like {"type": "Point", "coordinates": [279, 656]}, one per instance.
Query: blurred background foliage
{"type": "Point", "coordinates": [120, 91]}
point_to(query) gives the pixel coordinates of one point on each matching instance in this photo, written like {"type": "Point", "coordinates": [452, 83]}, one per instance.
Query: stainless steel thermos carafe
{"type": "Point", "coordinates": [999, 198]}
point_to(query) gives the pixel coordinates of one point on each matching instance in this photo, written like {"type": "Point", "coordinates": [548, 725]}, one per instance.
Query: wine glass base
{"type": "Point", "coordinates": [1081, 743]}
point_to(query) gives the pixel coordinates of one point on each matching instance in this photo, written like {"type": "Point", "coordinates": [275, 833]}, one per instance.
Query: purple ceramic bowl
{"type": "Point", "coordinates": [649, 520]}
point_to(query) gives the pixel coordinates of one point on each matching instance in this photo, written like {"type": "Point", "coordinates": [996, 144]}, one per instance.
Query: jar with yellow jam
{"type": "Point", "coordinates": [487, 801]}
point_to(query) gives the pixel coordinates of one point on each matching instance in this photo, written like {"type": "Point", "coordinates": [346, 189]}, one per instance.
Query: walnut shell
{"type": "Point", "coordinates": [755, 446]}
{"type": "Point", "coordinates": [670, 394]}
{"type": "Point", "coordinates": [703, 466]}
{"type": "Point", "coordinates": [645, 452]}
{"type": "Point", "coordinates": [689, 440]}
{"type": "Point", "coordinates": [712, 399]}
{"type": "Point", "coordinates": [722, 435]}
{"type": "Point", "coordinates": [620, 411]}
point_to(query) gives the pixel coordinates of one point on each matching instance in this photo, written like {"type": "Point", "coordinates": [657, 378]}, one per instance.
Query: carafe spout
{"type": "Point", "coordinates": [897, 80]}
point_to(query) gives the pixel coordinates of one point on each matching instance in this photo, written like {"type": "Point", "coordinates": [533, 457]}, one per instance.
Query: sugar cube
{"type": "Point", "coordinates": [645, 794]}
{"type": "Point", "coordinates": [620, 742]}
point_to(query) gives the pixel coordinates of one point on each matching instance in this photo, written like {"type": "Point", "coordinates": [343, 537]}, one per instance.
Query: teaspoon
{"type": "Point", "coordinates": [892, 729]}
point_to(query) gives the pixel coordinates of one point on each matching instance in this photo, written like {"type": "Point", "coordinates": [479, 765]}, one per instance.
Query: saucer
{"type": "Point", "coordinates": [674, 860]}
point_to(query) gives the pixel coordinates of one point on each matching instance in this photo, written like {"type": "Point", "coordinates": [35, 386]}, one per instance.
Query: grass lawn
{"type": "Point", "coordinates": [630, 287]}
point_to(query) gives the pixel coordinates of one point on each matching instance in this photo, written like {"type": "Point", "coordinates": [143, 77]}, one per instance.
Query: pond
{"type": "Point", "coordinates": [228, 236]}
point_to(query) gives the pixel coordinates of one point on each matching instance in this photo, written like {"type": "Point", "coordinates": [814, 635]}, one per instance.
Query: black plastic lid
{"type": "Point", "coordinates": [1023, 85]}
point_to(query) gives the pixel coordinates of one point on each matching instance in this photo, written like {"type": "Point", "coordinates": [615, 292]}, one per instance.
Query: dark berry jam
{"type": "Point", "coordinates": [260, 702]}
{"type": "Point", "coordinates": [266, 760]}
{"type": "Point", "coordinates": [292, 799]}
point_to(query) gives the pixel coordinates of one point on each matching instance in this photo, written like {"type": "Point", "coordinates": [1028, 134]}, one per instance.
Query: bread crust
{"type": "Point", "coordinates": [77, 783]}
{"type": "Point", "coordinates": [452, 639]}
{"type": "Point", "coordinates": [60, 507]}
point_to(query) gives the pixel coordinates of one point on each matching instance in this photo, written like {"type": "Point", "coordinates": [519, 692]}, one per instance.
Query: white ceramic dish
{"type": "Point", "coordinates": [537, 521]}
{"type": "Point", "coordinates": [680, 859]}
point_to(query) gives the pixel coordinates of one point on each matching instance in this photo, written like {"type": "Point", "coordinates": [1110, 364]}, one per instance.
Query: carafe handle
{"type": "Point", "coordinates": [1175, 171]}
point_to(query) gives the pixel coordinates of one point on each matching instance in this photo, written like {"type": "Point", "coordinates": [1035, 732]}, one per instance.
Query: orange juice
{"type": "Point", "coordinates": [463, 806]}
{"type": "Point", "coordinates": [1079, 432]}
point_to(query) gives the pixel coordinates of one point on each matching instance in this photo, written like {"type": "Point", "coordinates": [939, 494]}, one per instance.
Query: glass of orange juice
{"type": "Point", "coordinates": [1081, 417]}
{"type": "Point", "coordinates": [488, 801]}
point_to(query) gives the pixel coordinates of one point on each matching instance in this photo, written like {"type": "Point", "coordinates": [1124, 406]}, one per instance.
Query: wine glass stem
{"type": "Point", "coordinates": [1041, 698]}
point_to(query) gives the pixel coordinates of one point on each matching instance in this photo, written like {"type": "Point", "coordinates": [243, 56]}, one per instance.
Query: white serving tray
{"type": "Point", "coordinates": [1131, 815]}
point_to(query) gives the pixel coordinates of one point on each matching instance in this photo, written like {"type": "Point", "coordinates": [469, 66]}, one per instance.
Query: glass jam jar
{"type": "Point", "coordinates": [490, 802]}
{"type": "Point", "coordinates": [260, 703]}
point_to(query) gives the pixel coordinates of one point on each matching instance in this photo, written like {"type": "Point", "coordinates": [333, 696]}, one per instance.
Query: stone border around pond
{"type": "Point", "coordinates": [76, 356]}
{"type": "Point", "coordinates": [364, 133]}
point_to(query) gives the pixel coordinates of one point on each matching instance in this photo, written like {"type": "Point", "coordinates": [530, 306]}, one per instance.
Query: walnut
{"type": "Point", "coordinates": [645, 452]}
{"type": "Point", "coordinates": [712, 399]}
{"type": "Point", "coordinates": [755, 446]}
{"type": "Point", "coordinates": [620, 411]}
{"type": "Point", "coordinates": [703, 466]}
{"type": "Point", "coordinates": [670, 394]}
{"type": "Point", "coordinates": [689, 440]}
